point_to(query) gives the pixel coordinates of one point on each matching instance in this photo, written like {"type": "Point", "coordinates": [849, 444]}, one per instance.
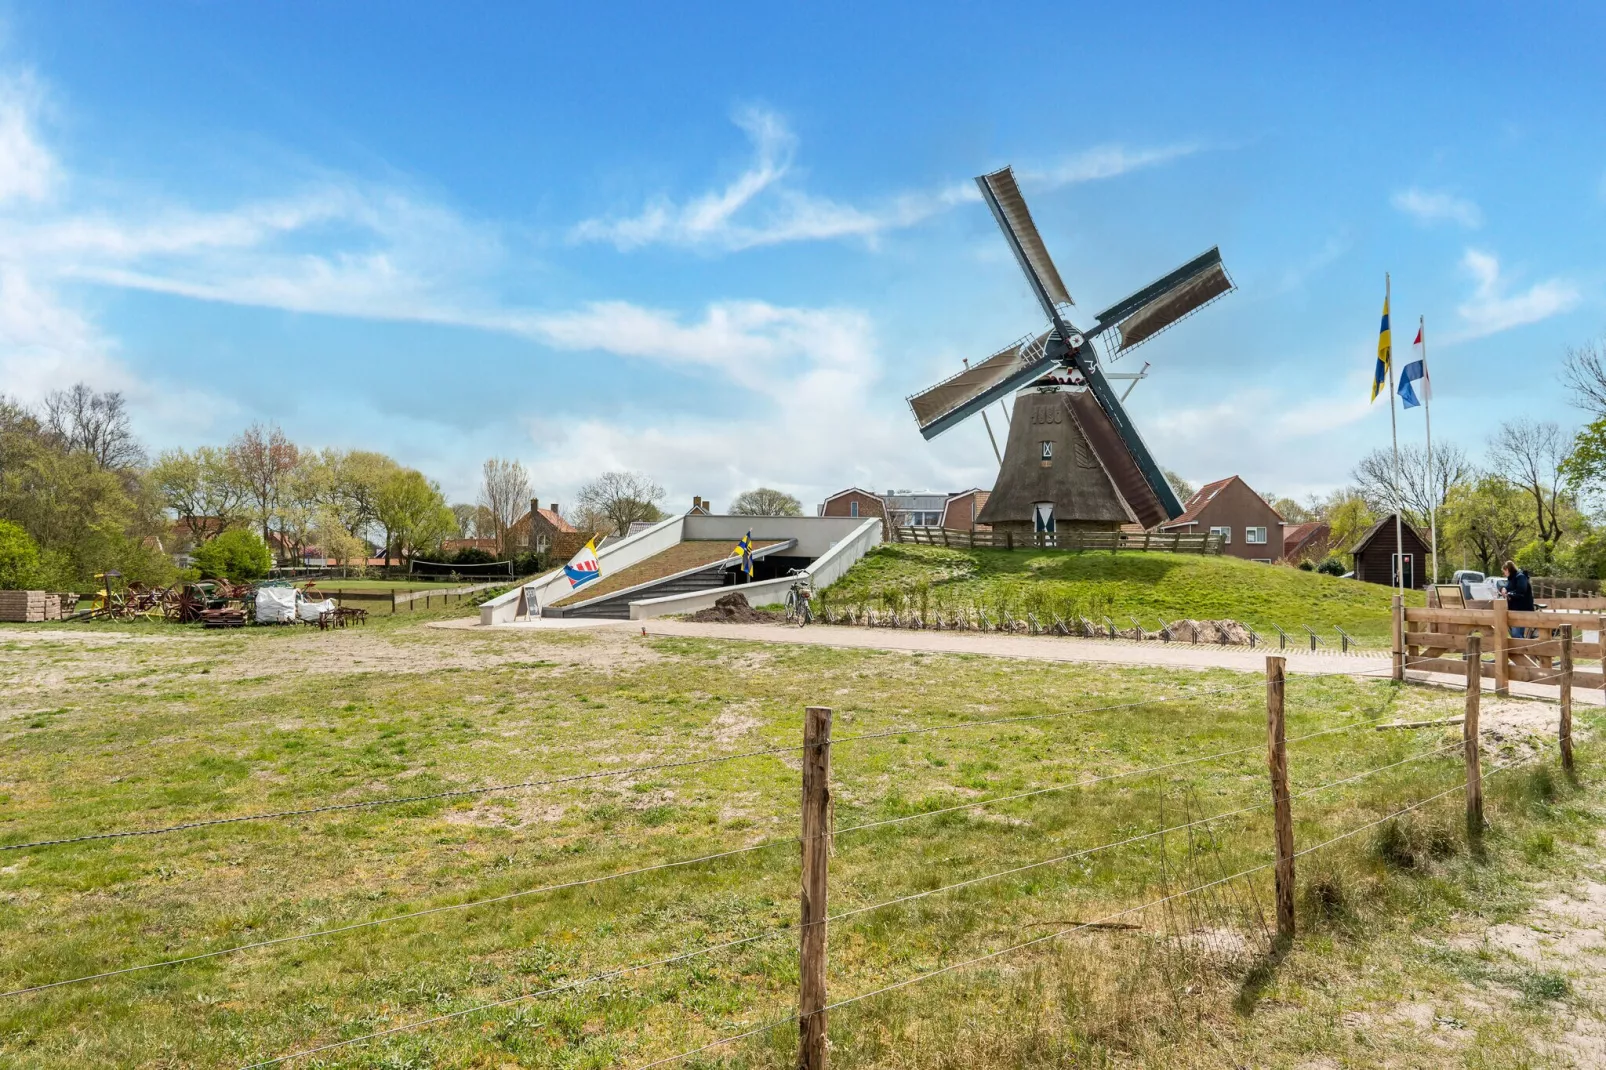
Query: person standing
{"type": "Point", "coordinates": [1519, 595]}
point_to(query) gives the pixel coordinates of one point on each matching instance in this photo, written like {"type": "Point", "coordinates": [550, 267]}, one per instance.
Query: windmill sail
{"type": "Point", "coordinates": [1003, 196]}
{"type": "Point", "coordinates": [1165, 301]}
{"type": "Point", "coordinates": [950, 401]}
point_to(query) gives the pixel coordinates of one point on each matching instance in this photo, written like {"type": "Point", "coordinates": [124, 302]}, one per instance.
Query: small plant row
{"type": "Point", "coordinates": [1036, 612]}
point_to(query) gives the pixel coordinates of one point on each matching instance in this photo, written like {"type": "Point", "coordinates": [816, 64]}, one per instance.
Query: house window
{"type": "Point", "coordinates": [1256, 536]}
{"type": "Point", "coordinates": [853, 508]}
{"type": "Point", "coordinates": [1225, 533]}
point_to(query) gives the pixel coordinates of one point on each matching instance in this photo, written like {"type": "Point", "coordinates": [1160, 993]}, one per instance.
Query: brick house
{"type": "Point", "coordinates": [959, 512]}
{"type": "Point", "coordinates": [1250, 528]}
{"type": "Point", "coordinates": [853, 502]}
{"type": "Point", "coordinates": [544, 531]}
{"type": "Point", "coordinates": [1307, 542]}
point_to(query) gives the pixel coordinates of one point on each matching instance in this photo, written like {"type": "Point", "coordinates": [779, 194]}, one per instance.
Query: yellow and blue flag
{"type": "Point", "coordinates": [1385, 352]}
{"type": "Point", "coordinates": [745, 550]}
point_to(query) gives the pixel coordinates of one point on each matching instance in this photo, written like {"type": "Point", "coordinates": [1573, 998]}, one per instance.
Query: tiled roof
{"type": "Point", "coordinates": [1195, 505]}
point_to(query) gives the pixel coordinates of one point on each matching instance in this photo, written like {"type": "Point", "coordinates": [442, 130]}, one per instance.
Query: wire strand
{"type": "Point", "coordinates": [455, 793]}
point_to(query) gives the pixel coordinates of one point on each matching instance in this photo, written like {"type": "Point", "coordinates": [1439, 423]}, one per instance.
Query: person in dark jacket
{"type": "Point", "coordinates": [1519, 595]}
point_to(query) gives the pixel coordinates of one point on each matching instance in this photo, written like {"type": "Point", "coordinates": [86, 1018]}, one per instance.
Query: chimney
{"type": "Point", "coordinates": [554, 509]}
{"type": "Point", "coordinates": [535, 507]}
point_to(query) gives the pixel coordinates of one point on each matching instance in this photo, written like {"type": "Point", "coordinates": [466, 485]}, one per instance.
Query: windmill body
{"type": "Point", "coordinates": [1073, 458]}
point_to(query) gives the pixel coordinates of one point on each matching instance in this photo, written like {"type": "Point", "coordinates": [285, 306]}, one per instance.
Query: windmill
{"type": "Point", "coordinates": [1073, 457]}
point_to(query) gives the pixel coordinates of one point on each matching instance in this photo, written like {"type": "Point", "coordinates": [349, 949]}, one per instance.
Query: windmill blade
{"type": "Point", "coordinates": [1125, 457]}
{"type": "Point", "coordinates": [1003, 196]}
{"type": "Point", "coordinates": [1165, 301]}
{"type": "Point", "coordinates": [939, 407]}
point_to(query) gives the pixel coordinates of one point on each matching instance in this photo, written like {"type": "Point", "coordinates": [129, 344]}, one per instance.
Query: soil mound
{"type": "Point", "coordinates": [733, 609]}
{"type": "Point", "coordinates": [1229, 632]}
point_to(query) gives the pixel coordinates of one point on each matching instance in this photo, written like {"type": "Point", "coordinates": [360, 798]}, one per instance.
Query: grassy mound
{"type": "Point", "coordinates": [1148, 586]}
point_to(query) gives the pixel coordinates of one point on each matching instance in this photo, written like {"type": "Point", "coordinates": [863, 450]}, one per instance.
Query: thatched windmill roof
{"type": "Point", "coordinates": [1073, 478]}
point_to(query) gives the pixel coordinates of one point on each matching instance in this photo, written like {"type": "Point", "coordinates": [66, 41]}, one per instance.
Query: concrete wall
{"type": "Point", "coordinates": [828, 567]}
{"type": "Point", "coordinates": [814, 534]}
{"type": "Point", "coordinates": [616, 554]}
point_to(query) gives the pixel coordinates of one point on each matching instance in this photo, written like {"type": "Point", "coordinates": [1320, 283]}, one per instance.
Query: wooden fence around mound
{"type": "Point", "coordinates": [1551, 640]}
{"type": "Point", "coordinates": [1162, 542]}
{"type": "Point", "coordinates": [396, 598]}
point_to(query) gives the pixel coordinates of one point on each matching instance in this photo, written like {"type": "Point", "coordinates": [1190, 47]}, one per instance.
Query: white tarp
{"type": "Point", "coordinates": [311, 611]}
{"type": "Point", "coordinates": [276, 605]}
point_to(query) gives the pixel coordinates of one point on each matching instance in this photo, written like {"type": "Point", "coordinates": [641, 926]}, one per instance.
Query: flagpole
{"type": "Point", "coordinates": [1394, 428]}
{"type": "Point", "coordinates": [1427, 416]}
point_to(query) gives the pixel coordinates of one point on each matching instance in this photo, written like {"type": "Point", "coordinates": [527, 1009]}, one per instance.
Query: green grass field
{"type": "Point", "coordinates": [138, 726]}
{"type": "Point", "coordinates": [1149, 586]}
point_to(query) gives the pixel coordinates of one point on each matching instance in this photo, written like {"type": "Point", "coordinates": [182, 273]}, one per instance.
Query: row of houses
{"type": "Point", "coordinates": [1248, 525]}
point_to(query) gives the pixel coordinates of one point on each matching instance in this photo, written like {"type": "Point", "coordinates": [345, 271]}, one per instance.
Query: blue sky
{"type": "Point", "coordinates": [722, 246]}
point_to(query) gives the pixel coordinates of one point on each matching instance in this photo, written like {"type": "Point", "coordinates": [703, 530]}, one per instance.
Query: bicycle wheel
{"type": "Point", "coordinates": [791, 605]}
{"type": "Point", "coordinates": [808, 612]}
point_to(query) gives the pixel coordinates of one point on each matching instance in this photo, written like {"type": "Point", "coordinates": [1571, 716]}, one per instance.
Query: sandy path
{"type": "Point", "coordinates": [1093, 651]}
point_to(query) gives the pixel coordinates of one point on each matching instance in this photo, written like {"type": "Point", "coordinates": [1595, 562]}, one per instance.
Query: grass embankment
{"type": "Point", "coordinates": [1149, 586]}
{"type": "Point", "coordinates": [141, 726]}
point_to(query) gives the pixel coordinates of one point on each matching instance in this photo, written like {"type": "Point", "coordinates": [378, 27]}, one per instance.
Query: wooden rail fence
{"type": "Point", "coordinates": [1162, 542]}
{"type": "Point", "coordinates": [397, 599]}
{"type": "Point", "coordinates": [1437, 640]}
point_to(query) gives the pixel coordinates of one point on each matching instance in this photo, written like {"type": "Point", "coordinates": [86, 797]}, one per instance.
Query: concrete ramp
{"type": "Point", "coordinates": [686, 567]}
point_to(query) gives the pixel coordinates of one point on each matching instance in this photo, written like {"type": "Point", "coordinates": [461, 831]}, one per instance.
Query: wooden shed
{"type": "Point", "coordinates": [1374, 554]}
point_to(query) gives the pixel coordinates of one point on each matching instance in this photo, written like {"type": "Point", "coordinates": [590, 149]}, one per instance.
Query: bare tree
{"type": "Point", "coordinates": [264, 458]}
{"type": "Point", "coordinates": [1585, 372]}
{"type": "Point", "coordinates": [623, 498]}
{"type": "Point", "coordinates": [1417, 490]}
{"type": "Point", "coordinates": [504, 494]}
{"type": "Point", "coordinates": [766, 501]}
{"type": "Point", "coordinates": [96, 423]}
{"type": "Point", "coordinates": [1528, 454]}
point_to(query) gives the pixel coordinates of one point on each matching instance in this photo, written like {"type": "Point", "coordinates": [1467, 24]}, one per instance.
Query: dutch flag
{"type": "Point", "coordinates": [1410, 394]}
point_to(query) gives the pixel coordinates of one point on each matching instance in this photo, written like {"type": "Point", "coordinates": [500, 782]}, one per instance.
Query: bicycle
{"type": "Point", "coordinates": [798, 599]}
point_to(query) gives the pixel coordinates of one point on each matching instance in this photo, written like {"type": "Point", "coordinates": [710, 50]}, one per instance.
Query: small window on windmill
{"type": "Point", "coordinates": [1043, 516]}
{"type": "Point", "coordinates": [1048, 453]}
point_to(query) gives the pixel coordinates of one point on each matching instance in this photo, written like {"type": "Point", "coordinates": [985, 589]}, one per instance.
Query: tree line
{"type": "Point", "coordinates": [80, 495]}
{"type": "Point", "coordinates": [1538, 497]}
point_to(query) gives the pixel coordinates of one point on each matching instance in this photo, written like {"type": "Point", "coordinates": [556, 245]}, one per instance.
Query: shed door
{"type": "Point", "coordinates": [1409, 563]}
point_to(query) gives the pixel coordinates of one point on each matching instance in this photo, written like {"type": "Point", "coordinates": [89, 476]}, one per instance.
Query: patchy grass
{"type": "Point", "coordinates": [140, 727]}
{"type": "Point", "coordinates": [1149, 586]}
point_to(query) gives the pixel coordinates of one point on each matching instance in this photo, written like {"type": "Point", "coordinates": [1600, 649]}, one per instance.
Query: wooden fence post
{"type": "Point", "coordinates": [1282, 806]}
{"type": "Point", "coordinates": [1566, 729]}
{"type": "Point", "coordinates": [816, 849]}
{"type": "Point", "coordinates": [393, 601]}
{"type": "Point", "coordinates": [1502, 645]}
{"type": "Point", "coordinates": [1470, 736]}
{"type": "Point", "coordinates": [1397, 638]}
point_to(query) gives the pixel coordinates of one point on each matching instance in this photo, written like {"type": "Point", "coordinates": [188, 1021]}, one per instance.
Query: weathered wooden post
{"type": "Point", "coordinates": [1397, 638]}
{"type": "Point", "coordinates": [816, 849]}
{"type": "Point", "coordinates": [1502, 644]}
{"type": "Point", "coordinates": [393, 601]}
{"type": "Point", "coordinates": [1282, 805]}
{"type": "Point", "coordinates": [1566, 729]}
{"type": "Point", "coordinates": [1470, 736]}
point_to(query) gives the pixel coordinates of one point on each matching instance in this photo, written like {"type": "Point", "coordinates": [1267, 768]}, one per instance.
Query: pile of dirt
{"type": "Point", "coordinates": [1229, 632]}
{"type": "Point", "coordinates": [733, 609]}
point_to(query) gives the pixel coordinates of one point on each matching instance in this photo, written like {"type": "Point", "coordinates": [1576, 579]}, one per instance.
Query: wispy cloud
{"type": "Point", "coordinates": [27, 169]}
{"type": "Point", "coordinates": [761, 206]}
{"type": "Point", "coordinates": [1491, 309]}
{"type": "Point", "coordinates": [1429, 206]}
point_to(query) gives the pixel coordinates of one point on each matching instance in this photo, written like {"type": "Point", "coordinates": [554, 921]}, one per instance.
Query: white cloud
{"type": "Point", "coordinates": [759, 207]}
{"type": "Point", "coordinates": [1428, 206]}
{"type": "Point", "coordinates": [27, 171]}
{"type": "Point", "coordinates": [1492, 310]}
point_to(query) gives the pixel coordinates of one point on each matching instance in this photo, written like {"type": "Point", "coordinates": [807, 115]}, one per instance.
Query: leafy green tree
{"type": "Point", "coordinates": [19, 557]}
{"type": "Point", "coordinates": [1179, 486]}
{"type": "Point", "coordinates": [1488, 520]}
{"type": "Point", "coordinates": [352, 484]}
{"type": "Point", "coordinates": [236, 556]}
{"type": "Point", "coordinates": [203, 487]}
{"type": "Point", "coordinates": [1350, 516]}
{"type": "Point", "coordinates": [766, 501]}
{"type": "Point", "coordinates": [1584, 470]}
{"type": "Point", "coordinates": [413, 513]}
